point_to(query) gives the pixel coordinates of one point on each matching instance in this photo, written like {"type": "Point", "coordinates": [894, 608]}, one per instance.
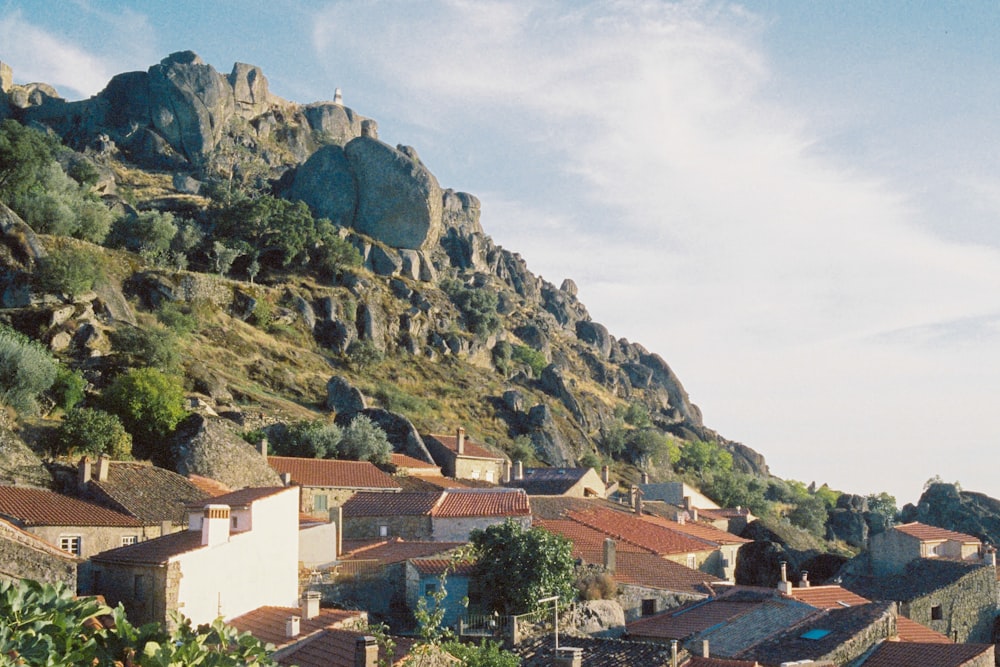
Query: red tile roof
{"type": "Point", "coordinates": [630, 528]}
{"type": "Point", "coordinates": [472, 449]}
{"type": "Point", "coordinates": [482, 502]}
{"type": "Point", "coordinates": [242, 497]}
{"type": "Point", "coordinates": [440, 482]}
{"type": "Point", "coordinates": [437, 566]}
{"type": "Point", "coordinates": [698, 530]}
{"type": "Point", "coordinates": [336, 647]}
{"type": "Point", "coordinates": [210, 486]}
{"type": "Point", "coordinates": [268, 623]}
{"type": "Point", "coordinates": [583, 537]}
{"type": "Point", "coordinates": [39, 507]}
{"type": "Point", "coordinates": [911, 631]}
{"type": "Point", "coordinates": [153, 552]}
{"type": "Point", "coordinates": [390, 504]}
{"type": "Point", "coordinates": [397, 550]}
{"type": "Point", "coordinates": [333, 473]}
{"type": "Point", "coordinates": [926, 533]}
{"type": "Point", "coordinates": [413, 465]}
{"type": "Point", "coordinates": [903, 654]}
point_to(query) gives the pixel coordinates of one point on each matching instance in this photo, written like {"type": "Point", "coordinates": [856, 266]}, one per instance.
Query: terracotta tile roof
{"type": "Point", "coordinates": [413, 465]}
{"type": "Point", "coordinates": [39, 507]}
{"type": "Point", "coordinates": [556, 507]}
{"type": "Point", "coordinates": [482, 502]}
{"type": "Point", "coordinates": [149, 493]}
{"type": "Point", "coordinates": [630, 528]}
{"type": "Point", "coordinates": [433, 483]}
{"type": "Point", "coordinates": [390, 504]}
{"type": "Point", "coordinates": [397, 550]}
{"type": "Point", "coordinates": [12, 533]}
{"type": "Point", "coordinates": [583, 537]}
{"type": "Point", "coordinates": [210, 486]}
{"type": "Point", "coordinates": [472, 449]}
{"type": "Point", "coordinates": [698, 530]}
{"type": "Point", "coordinates": [268, 623]}
{"type": "Point", "coordinates": [926, 533]}
{"type": "Point", "coordinates": [551, 481]}
{"type": "Point", "coordinates": [153, 552]}
{"type": "Point", "coordinates": [898, 654]}
{"type": "Point", "coordinates": [335, 648]}
{"type": "Point", "coordinates": [242, 497]}
{"type": "Point", "coordinates": [333, 473]}
{"type": "Point", "coordinates": [437, 566]}
{"type": "Point", "coordinates": [911, 631]}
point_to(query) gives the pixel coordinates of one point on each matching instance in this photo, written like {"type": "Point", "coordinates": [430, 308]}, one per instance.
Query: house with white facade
{"type": "Point", "coordinates": [240, 552]}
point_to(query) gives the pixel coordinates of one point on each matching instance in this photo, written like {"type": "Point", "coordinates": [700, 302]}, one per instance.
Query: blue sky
{"type": "Point", "coordinates": [794, 203]}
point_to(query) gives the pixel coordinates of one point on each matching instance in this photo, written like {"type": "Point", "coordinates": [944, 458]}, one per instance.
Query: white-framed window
{"type": "Point", "coordinates": [475, 474]}
{"type": "Point", "coordinates": [71, 544]}
{"type": "Point", "coordinates": [692, 561]}
{"type": "Point", "coordinates": [489, 475]}
{"type": "Point", "coordinates": [320, 502]}
{"type": "Point", "coordinates": [129, 539]}
{"type": "Point", "coordinates": [383, 531]}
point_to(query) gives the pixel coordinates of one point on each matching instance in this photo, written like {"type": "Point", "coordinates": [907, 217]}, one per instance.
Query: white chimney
{"type": "Point", "coordinates": [694, 514]}
{"type": "Point", "coordinates": [103, 464]}
{"type": "Point", "coordinates": [338, 96]}
{"type": "Point", "coordinates": [990, 556]}
{"type": "Point", "coordinates": [673, 653]}
{"type": "Point", "coordinates": [286, 478]}
{"type": "Point", "coordinates": [310, 604]}
{"type": "Point", "coordinates": [704, 648]}
{"type": "Point", "coordinates": [506, 472]}
{"type": "Point", "coordinates": [645, 478]}
{"type": "Point", "coordinates": [292, 626]}
{"type": "Point", "coordinates": [681, 517]}
{"type": "Point", "coordinates": [784, 585]}
{"type": "Point", "coordinates": [337, 518]}
{"type": "Point", "coordinates": [805, 579]}
{"type": "Point", "coordinates": [215, 525]}
{"type": "Point", "coordinates": [460, 441]}
{"type": "Point", "coordinates": [365, 652]}
{"type": "Point", "coordinates": [610, 554]}
{"type": "Point", "coordinates": [687, 502]}
{"type": "Point", "coordinates": [518, 470]}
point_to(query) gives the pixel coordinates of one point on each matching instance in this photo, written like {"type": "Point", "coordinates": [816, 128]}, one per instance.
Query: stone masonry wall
{"type": "Point", "coordinates": [20, 561]}
{"type": "Point", "coordinates": [967, 607]}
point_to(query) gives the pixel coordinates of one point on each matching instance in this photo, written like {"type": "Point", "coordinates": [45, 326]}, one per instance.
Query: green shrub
{"type": "Point", "coordinates": [70, 271]}
{"type": "Point", "coordinates": [317, 439]}
{"type": "Point", "coordinates": [363, 440]}
{"type": "Point", "coordinates": [531, 357]}
{"type": "Point", "coordinates": [68, 388]}
{"type": "Point", "coordinates": [154, 346]}
{"type": "Point", "coordinates": [177, 317]}
{"type": "Point", "coordinates": [150, 404]}
{"type": "Point", "coordinates": [363, 354]}
{"type": "Point", "coordinates": [478, 307]}
{"type": "Point", "coordinates": [27, 370]}
{"type": "Point", "coordinates": [90, 431]}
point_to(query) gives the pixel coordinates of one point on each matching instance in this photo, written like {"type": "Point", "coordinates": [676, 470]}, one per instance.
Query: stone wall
{"type": "Point", "coordinates": [890, 551]}
{"type": "Point", "coordinates": [630, 597]}
{"type": "Point", "coordinates": [95, 539]}
{"type": "Point", "coordinates": [18, 560]}
{"type": "Point", "coordinates": [382, 593]}
{"type": "Point", "coordinates": [458, 529]}
{"type": "Point", "coordinates": [142, 590]}
{"type": "Point", "coordinates": [966, 608]}
{"type": "Point", "coordinates": [490, 470]}
{"type": "Point", "coordinates": [407, 527]}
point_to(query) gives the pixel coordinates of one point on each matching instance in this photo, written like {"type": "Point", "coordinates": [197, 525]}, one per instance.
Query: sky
{"type": "Point", "coordinates": [795, 203]}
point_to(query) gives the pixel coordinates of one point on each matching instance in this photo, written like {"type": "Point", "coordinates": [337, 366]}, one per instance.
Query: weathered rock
{"type": "Point", "coordinates": [410, 264]}
{"type": "Point", "coordinates": [243, 305]}
{"type": "Point", "coordinates": [384, 262]}
{"type": "Point", "coordinates": [212, 448]}
{"type": "Point", "coordinates": [250, 91]}
{"type": "Point", "coordinates": [514, 400]}
{"type": "Point", "coordinates": [186, 183]}
{"type": "Point", "coordinates": [595, 334]}
{"type": "Point", "coordinates": [847, 525]}
{"type": "Point", "coordinates": [371, 326]}
{"type": "Point", "coordinates": [18, 464]}
{"type": "Point", "coordinates": [547, 439]}
{"type": "Point", "coordinates": [946, 506]}
{"type": "Point", "coordinates": [19, 245]}
{"type": "Point", "coordinates": [554, 384]}
{"type": "Point", "coordinates": [326, 184]}
{"type": "Point", "coordinates": [336, 335]}
{"type": "Point", "coordinates": [599, 618]}
{"type": "Point", "coordinates": [305, 311]}
{"type": "Point", "coordinates": [6, 77]}
{"type": "Point", "coordinates": [342, 397]}
{"type": "Point", "coordinates": [336, 123]}
{"type": "Point", "coordinates": [399, 200]}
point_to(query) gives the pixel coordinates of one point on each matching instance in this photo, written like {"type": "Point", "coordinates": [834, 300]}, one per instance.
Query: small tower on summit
{"type": "Point", "coordinates": [338, 97]}
{"type": "Point", "coordinates": [6, 77]}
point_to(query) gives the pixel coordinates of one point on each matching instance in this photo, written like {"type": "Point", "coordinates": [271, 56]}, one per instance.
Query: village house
{"type": "Point", "coordinates": [25, 556]}
{"type": "Point", "coordinates": [686, 521]}
{"type": "Point", "coordinates": [574, 482]}
{"type": "Point", "coordinates": [899, 654]}
{"type": "Point", "coordinates": [240, 552]}
{"type": "Point", "coordinates": [423, 580]}
{"type": "Point", "coordinates": [443, 516]}
{"type": "Point", "coordinates": [892, 550]}
{"type": "Point", "coordinates": [462, 458]}
{"type": "Point", "coordinates": [76, 526]}
{"type": "Point", "coordinates": [328, 483]}
{"type": "Point", "coordinates": [415, 475]}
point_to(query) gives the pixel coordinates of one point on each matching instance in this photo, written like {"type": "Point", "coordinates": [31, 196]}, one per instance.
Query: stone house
{"type": "Point", "coordinates": [423, 580]}
{"type": "Point", "coordinates": [574, 482]}
{"type": "Point", "coordinates": [462, 458]}
{"type": "Point", "coordinates": [724, 563]}
{"type": "Point", "coordinates": [240, 552]}
{"type": "Point", "coordinates": [328, 483]}
{"type": "Point", "coordinates": [76, 526]}
{"type": "Point", "coordinates": [891, 551]}
{"type": "Point", "coordinates": [443, 516]}
{"type": "Point", "coordinates": [25, 556]}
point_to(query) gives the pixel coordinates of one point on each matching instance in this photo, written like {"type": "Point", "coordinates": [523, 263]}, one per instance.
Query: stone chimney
{"type": "Point", "coordinates": [518, 470]}
{"type": "Point", "coordinates": [606, 475]}
{"type": "Point", "coordinates": [365, 652]}
{"type": "Point", "coordinates": [568, 656]}
{"type": "Point", "coordinates": [460, 441]}
{"type": "Point", "coordinates": [633, 496]}
{"type": "Point", "coordinates": [102, 467]}
{"type": "Point", "coordinates": [310, 604]}
{"type": "Point", "coordinates": [784, 586]}
{"type": "Point", "coordinates": [286, 478]}
{"type": "Point", "coordinates": [215, 525]}
{"type": "Point", "coordinates": [337, 519]}
{"type": "Point", "coordinates": [990, 556]}
{"type": "Point", "coordinates": [262, 446]}
{"type": "Point", "coordinates": [610, 554]}
{"type": "Point", "coordinates": [83, 473]}
{"type": "Point", "coordinates": [805, 579]}
{"type": "Point", "coordinates": [506, 472]}
{"type": "Point", "coordinates": [292, 626]}
{"type": "Point", "coordinates": [704, 648]}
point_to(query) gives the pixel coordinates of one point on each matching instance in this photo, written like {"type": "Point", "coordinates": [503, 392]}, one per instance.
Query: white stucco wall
{"type": "Point", "coordinates": [254, 568]}
{"type": "Point", "coordinates": [318, 545]}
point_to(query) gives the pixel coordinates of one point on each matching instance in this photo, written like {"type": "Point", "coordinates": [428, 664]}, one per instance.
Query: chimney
{"type": "Point", "coordinates": [337, 519]}
{"type": "Point", "coordinates": [166, 527]}
{"type": "Point", "coordinates": [83, 473]}
{"type": "Point", "coordinates": [286, 478]}
{"type": "Point", "coordinates": [687, 502]}
{"type": "Point", "coordinates": [704, 648]}
{"type": "Point", "coordinates": [292, 626]}
{"type": "Point", "coordinates": [633, 495]}
{"type": "Point", "coordinates": [606, 475]}
{"type": "Point", "coordinates": [645, 478]}
{"type": "Point", "coordinates": [805, 579]}
{"type": "Point", "coordinates": [673, 653]}
{"type": "Point", "coordinates": [103, 464]}
{"type": "Point", "coordinates": [784, 586]}
{"type": "Point", "coordinates": [518, 470]}
{"type": "Point", "coordinates": [567, 656]}
{"type": "Point", "coordinates": [365, 652]}
{"type": "Point", "coordinates": [681, 517]}
{"type": "Point", "coordinates": [460, 441]}
{"type": "Point", "coordinates": [262, 446]}
{"type": "Point", "coordinates": [215, 525]}
{"type": "Point", "coordinates": [694, 514]}
{"type": "Point", "coordinates": [610, 553]}
{"type": "Point", "coordinates": [310, 604]}
{"type": "Point", "coordinates": [990, 556]}
{"type": "Point", "coordinates": [638, 505]}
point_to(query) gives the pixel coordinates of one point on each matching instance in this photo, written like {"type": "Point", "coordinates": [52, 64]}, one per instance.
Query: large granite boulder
{"type": "Point", "coordinates": [336, 123]}
{"type": "Point", "coordinates": [250, 91]}
{"type": "Point", "coordinates": [326, 184]}
{"type": "Point", "coordinates": [211, 447]}
{"type": "Point", "coordinates": [19, 245]}
{"type": "Point", "coordinates": [399, 199]}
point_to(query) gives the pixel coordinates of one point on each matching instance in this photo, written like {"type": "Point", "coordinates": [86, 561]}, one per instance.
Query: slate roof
{"type": "Point", "coordinates": [841, 625]}
{"type": "Point", "coordinates": [897, 654]}
{"type": "Point", "coordinates": [457, 503]}
{"type": "Point", "coordinates": [148, 493]}
{"type": "Point", "coordinates": [390, 504]}
{"type": "Point", "coordinates": [335, 648]}
{"type": "Point", "coordinates": [921, 577]}
{"type": "Point", "coordinates": [40, 507]}
{"type": "Point", "coordinates": [550, 481]}
{"type": "Point", "coordinates": [268, 623]}
{"type": "Point", "coordinates": [431, 483]}
{"type": "Point", "coordinates": [689, 619]}
{"type": "Point", "coordinates": [157, 551]}
{"type": "Point", "coordinates": [538, 652]}
{"type": "Point", "coordinates": [472, 449]}
{"type": "Point", "coordinates": [332, 473]}
{"type": "Point", "coordinates": [396, 550]}
{"type": "Point", "coordinates": [926, 533]}
{"type": "Point", "coordinates": [756, 625]}
{"type": "Point", "coordinates": [630, 528]}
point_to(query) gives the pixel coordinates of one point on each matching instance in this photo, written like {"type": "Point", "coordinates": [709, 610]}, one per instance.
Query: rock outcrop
{"type": "Point", "coordinates": [209, 447]}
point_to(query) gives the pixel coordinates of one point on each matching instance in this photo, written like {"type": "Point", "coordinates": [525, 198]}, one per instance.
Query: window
{"type": "Point", "coordinates": [235, 522]}
{"type": "Point", "coordinates": [319, 502]}
{"type": "Point", "coordinates": [129, 539]}
{"type": "Point", "coordinates": [71, 543]}
{"type": "Point", "coordinates": [489, 475]}
{"type": "Point", "coordinates": [692, 561]}
{"type": "Point", "coordinates": [815, 633]}
{"type": "Point", "coordinates": [936, 613]}
{"type": "Point", "coordinates": [383, 531]}
{"type": "Point", "coordinates": [475, 474]}
{"type": "Point", "coordinates": [648, 607]}
{"type": "Point", "coordinates": [430, 589]}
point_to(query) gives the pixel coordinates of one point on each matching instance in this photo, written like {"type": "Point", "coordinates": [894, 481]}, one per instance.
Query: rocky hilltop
{"type": "Point", "coordinates": [162, 139]}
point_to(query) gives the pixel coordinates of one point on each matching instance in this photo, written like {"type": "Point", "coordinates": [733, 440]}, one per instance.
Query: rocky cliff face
{"type": "Point", "coordinates": [183, 116]}
{"type": "Point", "coordinates": [947, 506]}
